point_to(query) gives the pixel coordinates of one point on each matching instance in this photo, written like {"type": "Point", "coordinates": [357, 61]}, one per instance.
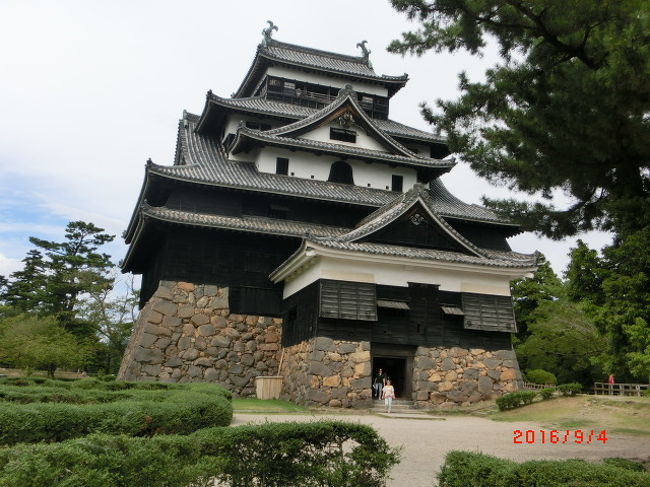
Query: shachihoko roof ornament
{"type": "Point", "coordinates": [366, 52]}
{"type": "Point", "coordinates": [268, 33]}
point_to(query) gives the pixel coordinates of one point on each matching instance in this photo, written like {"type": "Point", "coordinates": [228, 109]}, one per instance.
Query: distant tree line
{"type": "Point", "coordinates": [565, 110]}
{"type": "Point", "coordinates": [66, 306]}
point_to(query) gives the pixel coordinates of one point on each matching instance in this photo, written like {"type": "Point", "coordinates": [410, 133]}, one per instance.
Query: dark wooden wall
{"type": "Point", "coordinates": [423, 325]}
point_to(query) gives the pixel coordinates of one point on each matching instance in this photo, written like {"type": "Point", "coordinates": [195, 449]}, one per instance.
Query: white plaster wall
{"type": "Point", "coordinates": [456, 280]}
{"type": "Point", "coordinates": [358, 86]}
{"type": "Point", "coordinates": [364, 141]}
{"type": "Point", "coordinates": [306, 164]}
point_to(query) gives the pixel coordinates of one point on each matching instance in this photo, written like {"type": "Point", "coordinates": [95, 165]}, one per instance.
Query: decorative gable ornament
{"type": "Point", "coordinates": [417, 219]}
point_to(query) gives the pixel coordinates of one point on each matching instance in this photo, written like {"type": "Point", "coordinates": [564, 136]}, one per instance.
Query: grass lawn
{"type": "Point", "coordinates": [252, 405]}
{"type": "Point", "coordinates": [616, 415]}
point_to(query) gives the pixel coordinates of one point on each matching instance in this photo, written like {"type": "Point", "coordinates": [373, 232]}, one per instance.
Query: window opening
{"type": "Point", "coordinates": [282, 166]}
{"type": "Point", "coordinates": [341, 172]}
{"type": "Point", "coordinates": [343, 135]}
{"type": "Point", "coordinates": [398, 182]}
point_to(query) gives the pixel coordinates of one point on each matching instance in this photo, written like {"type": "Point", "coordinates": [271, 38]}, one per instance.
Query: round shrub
{"type": "Point", "coordinates": [570, 389]}
{"type": "Point", "coordinates": [547, 393]}
{"type": "Point", "coordinates": [540, 376]}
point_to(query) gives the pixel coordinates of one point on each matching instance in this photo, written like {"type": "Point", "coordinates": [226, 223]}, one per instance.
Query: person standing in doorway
{"type": "Point", "coordinates": [388, 394]}
{"type": "Point", "coordinates": [378, 383]}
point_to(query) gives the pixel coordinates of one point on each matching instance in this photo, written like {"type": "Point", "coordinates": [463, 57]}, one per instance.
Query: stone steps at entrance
{"type": "Point", "coordinates": [398, 405]}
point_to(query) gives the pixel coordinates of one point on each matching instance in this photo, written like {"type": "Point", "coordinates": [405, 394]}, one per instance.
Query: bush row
{"type": "Point", "coordinates": [181, 413]}
{"type": "Point", "coordinates": [540, 376]}
{"type": "Point", "coordinates": [30, 394]}
{"type": "Point", "coordinates": [105, 385]}
{"type": "Point", "coordinates": [462, 469]}
{"type": "Point", "coordinates": [515, 399]}
{"type": "Point", "coordinates": [331, 453]}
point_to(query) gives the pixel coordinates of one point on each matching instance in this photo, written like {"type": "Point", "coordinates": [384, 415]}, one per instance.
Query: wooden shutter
{"type": "Point", "coordinates": [348, 300]}
{"type": "Point", "coordinates": [489, 313]}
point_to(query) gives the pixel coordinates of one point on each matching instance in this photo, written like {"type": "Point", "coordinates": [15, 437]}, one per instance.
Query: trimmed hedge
{"type": "Point", "coordinates": [176, 412]}
{"type": "Point", "coordinates": [541, 376]}
{"type": "Point", "coordinates": [547, 393]}
{"type": "Point", "coordinates": [31, 394]}
{"type": "Point", "coordinates": [570, 389]}
{"type": "Point", "coordinates": [463, 469]}
{"type": "Point", "coordinates": [515, 400]}
{"type": "Point", "coordinates": [285, 454]}
{"type": "Point", "coordinates": [625, 463]}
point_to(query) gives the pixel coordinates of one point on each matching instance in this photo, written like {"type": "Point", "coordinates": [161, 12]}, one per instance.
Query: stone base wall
{"type": "Point", "coordinates": [326, 372]}
{"type": "Point", "coordinates": [185, 333]}
{"type": "Point", "coordinates": [452, 376]}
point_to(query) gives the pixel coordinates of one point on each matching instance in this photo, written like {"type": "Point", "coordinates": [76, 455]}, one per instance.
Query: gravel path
{"type": "Point", "coordinates": [426, 441]}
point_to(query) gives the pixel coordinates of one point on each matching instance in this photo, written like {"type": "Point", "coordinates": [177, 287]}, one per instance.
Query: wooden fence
{"type": "Point", "coordinates": [601, 388]}
{"type": "Point", "coordinates": [536, 387]}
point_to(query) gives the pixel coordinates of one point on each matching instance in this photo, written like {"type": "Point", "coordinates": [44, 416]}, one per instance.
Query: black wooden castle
{"type": "Point", "coordinates": [302, 197]}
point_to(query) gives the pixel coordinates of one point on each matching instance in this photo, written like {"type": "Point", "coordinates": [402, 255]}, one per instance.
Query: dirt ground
{"type": "Point", "coordinates": [425, 441]}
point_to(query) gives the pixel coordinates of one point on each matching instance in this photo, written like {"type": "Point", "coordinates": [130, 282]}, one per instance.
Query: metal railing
{"type": "Point", "coordinates": [604, 388]}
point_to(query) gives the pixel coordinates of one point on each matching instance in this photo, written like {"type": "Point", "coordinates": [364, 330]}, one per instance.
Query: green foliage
{"type": "Point", "coordinates": [565, 109]}
{"type": "Point", "coordinates": [564, 341]}
{"type": "Point", "coordinates": [178, 412]}
{"type": "Point", "coordinates": [29, 342]}
{"type": "Point", "coordinates": [515, 400]}
{"type": "Point", "coordinates": [570, 389]}
{"type": "Point", "coordinates": [462, 469]}
{"type": "Point", "coordinates": [625, 463]}
{"type": "Point", "coordinates": [547, 393]}
{"type": "Point", "coordinates": [272, 455]}
{"type": "Point", "coordinates": [540, 376]}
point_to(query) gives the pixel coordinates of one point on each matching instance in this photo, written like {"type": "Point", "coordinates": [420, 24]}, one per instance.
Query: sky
{"type": "Point", "coordinates": [90, 90]}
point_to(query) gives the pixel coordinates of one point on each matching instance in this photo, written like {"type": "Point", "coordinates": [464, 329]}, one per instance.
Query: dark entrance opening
{"type": "Point", "coordinates": [395, 370]}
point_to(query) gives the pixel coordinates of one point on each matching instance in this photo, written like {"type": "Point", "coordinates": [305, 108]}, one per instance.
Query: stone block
{"type": "Point", "coordinates": [319, 368]}
{"type": "Point", "coordinates": [451, 376]}
{"type": "Point", "coordinates": [458, 352]}
{"type": "Point", "coordinates": [236, 369]}
{"type": "Point", "coordinates": [188, 330]}
{"type": "Point", "coordinates": [200, 319]}
{"type": "Point", "coordinates": [362, 369]}
{"type": "Point", "coordinates": [247, 359]}
{"type": "Point", "coordinates": [358, 357]}
{"type": "Point", "coordinates": [332, 381]}
{"type": "Point", "coordinates": [162, 343]}
{"type": "Point", "coordinates": [154, 317]}
{"type": "Point", "coordinates": [174, 362]}
{"type": "Point", "coordinates": [203, 361]}
{"type": "Point", "coordinates": [508, 374]}
{"type": "Point", "coordinates": [494, 374]}
{"type": "Point", "coordinates": [365, 346]}
{"type": "Point", "coordinates": [186, 286]}
{"type": "Point", "coordinates": [272, 338]}
{"type": "Point", "coordinates": [163, 292]}
{"type": "Point", "coordinates": [206, 330]}
{"type": "Point", "coordinates": [422, 352]}
{"type": "Point", "coordinates": [318, 396]}
{"type": "Point", "coordinates": [484, 385]}
{"type": "Point", "coordinates": [421, 396]}
{"type": "Point", "coordinates": [219, 302]}
{"type": "Point", "coordinates": [325, 344]}
{"type": "Point", "coordinates": [334, 403]}
{"type": "Point", "coordinates": [184, 343]}
{"type": "Point", "coordinates": [200, 343]}
{"type": "Point", "coordinates": [505, 355]}
{"type": "Point", "coordinates": [157, 330]}
{"type": "Point", "coordinates": [230, 332]}
{"type": "Point", "coordinates": [471, 374]}
{"type": "Point", "coordinates": [435, 377]}
{"type": "Point", "coordinates": [316, 355]}
{"type": "Point", "coordinates": [211, 375]}
{"type": "Point", "coordinates": [445, 386]}
{"type": "Point", "coordinates": [423, 362]}
{"type": "Point", "coordinates": [437, 398]}
{"type": "Point", "coordinates": [346, 347]}
{"type": "Point", "coordinates": [165, 307]}
{"type": "Point", "coordinates": [148, 355]}
{"type": "Point", "coordinates": [171, 322]}
{"type": "Point", "coordinates": [221, 364]}
{"type": "Point", "coordinates": [362, 383]}
{"type": "Point", "coordinates": [269, 347]}
{"type": "Point", "coordinates": [220, 341]}
{"type": "Point", "coordinates": [448, 364]}
{"type": "Point", "coordinates": [209, 290]}
{"type": "Point", "coordinates": [468, 387]}
{"type": "Point", "coordinates": [492, 363]}
{"type": "Point", "coordinates": [202, 302]}
{"type": "Point", "coordinates": [185, 311]}
{"type": "Point", "coordinates": [476, 351]}
{"type": "Point", "coordinates": [190, 354]}
{"type": "Point", "coordinates": [147, 339]}
{"type": "Point", "coordinates": [153, 370]}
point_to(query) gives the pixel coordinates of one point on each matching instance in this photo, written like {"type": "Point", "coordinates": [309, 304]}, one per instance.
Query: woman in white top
{"type": "Point", "coordinates": [388, 394]}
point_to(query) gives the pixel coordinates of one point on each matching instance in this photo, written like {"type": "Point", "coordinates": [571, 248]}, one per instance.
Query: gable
{"type": "Point", "coordinates": [335, 133]}
{"type": "Point", "coordinates": [415, 227]}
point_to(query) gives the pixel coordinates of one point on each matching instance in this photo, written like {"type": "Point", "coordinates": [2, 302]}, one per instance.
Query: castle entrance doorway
{"type": "Point", "coordinates": [397, 364]}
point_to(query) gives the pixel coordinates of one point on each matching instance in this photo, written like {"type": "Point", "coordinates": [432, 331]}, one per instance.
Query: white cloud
{"type": "Point", "coordinates": [8, 265]}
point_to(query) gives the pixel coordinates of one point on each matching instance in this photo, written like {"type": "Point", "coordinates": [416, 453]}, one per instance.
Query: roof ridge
{"type": "Point", "coordinates": [312, 50]}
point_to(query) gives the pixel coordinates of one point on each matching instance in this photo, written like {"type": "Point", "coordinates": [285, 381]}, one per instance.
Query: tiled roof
{"type": "Point", "coordinates": [393, 210]}
{"type": "Point", "coordinates": [207, 164]}
{"type": "Point", "coordinates": [492, 258]}
{"type": "Point", "coordinates": [330, 61]}
{"type": "Point", "coordinates": [255, 224]}
{"type": "Point", "coordinates": [317, 145]}
{"type": "Point", "coordinates": [257, 104]}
